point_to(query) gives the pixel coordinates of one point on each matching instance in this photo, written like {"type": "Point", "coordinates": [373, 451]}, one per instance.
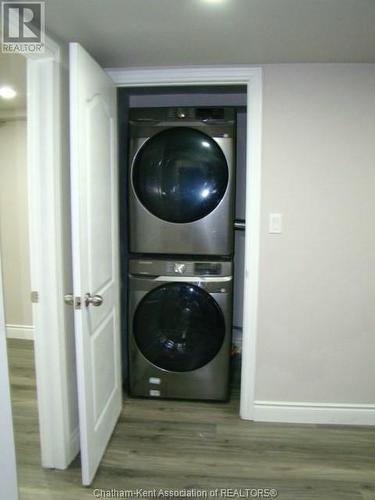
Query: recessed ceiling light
{"type": "Point", "coordinates": [7, 92]}
{"type": "Point", "coordinates": [214, 1]}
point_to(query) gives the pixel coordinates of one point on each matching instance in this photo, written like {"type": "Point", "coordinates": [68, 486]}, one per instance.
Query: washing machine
{"type": "Point", "coordinates": [180, 317]}
{"type": "Point", "coordinates": [181, 181]}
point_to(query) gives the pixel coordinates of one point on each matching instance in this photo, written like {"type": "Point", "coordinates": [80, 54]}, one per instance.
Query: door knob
{"type": "Point", "coordinates": [94, 300]}
{"type": "Point", "coordinates": [71, 300]}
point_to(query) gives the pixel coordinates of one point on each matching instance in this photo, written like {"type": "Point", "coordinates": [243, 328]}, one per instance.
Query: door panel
{"type": "Point", "coordinates": [104, 376]}
{"type": "Point", "coordinates": [95, 254]}
{"type": "Point", "coordinates": [100, 125]}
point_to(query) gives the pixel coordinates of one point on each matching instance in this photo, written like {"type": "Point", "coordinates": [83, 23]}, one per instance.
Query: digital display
{"type": "Point", "coordinates": [207, 268]}
{"type": "Point", "coordinates": [209, 113]}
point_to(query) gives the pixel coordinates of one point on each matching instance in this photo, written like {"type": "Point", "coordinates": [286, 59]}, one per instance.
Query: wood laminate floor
{"type": "Point", "coordinates": [189, 445]}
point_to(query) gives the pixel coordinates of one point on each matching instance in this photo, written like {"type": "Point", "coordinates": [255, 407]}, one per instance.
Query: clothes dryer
{"type": "Point", "coordinates": [181, 181]}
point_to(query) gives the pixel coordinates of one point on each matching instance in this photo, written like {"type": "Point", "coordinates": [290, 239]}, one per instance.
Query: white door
{"type": "Point", "coordinates": [95, 255]}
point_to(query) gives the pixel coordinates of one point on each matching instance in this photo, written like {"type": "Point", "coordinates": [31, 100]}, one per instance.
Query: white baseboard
{"type": "Point", "coordinates": [314, 413]}
{"type": "Point", "coordinates": [25, 332]}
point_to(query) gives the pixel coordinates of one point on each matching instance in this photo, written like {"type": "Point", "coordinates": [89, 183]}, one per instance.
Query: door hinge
{"type": "Point", "coordinates": [34, 297]}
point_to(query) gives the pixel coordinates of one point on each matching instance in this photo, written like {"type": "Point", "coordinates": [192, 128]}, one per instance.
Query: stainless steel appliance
{"type": "Point", "coordinates": [180, 327]}
{"type": "Point", "coordinates": [181, 181]}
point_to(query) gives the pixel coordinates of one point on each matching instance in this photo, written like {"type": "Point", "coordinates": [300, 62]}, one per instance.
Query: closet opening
{"type": "Point", "coordinates": [139, 109]}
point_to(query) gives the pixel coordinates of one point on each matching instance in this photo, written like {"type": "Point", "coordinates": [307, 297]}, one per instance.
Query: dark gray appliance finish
{"type": "Point", "coordinates": [180, 318]}
{"type": "Point", "coordinates": [182, 180]}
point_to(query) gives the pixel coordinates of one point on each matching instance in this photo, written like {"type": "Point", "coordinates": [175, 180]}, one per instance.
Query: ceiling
{"type": "Point", "coordinates": [13, 74]}
{"type": "Point", "coordinates": [123, 33]}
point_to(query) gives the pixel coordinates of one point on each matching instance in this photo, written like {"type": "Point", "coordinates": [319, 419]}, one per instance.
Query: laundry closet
{"type": "Point", "coordinates": [182, 193]}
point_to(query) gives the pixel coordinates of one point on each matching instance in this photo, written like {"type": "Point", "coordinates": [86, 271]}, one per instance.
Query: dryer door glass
{"type": "Point", "coordinates": [180, 175]}
{"type": "Point", "coordinates": [179, 327]}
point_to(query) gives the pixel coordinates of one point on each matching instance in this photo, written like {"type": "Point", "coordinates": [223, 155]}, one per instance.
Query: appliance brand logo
{"type": "Point", "coordinates": [22, 27]}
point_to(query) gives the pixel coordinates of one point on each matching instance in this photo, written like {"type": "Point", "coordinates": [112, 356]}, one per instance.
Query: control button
{"type": "Point", "coordinates": [154, 393]}
{"type": "Point", "coordinates": [154, 380]}
{"type": "Point", "coordinates": [179, 268]}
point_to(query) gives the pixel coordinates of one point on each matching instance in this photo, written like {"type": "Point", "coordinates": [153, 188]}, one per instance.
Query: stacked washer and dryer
{"type": "Point", "coordinates": [181, 211]}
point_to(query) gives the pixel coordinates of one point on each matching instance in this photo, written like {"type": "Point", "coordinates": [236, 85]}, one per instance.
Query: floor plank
{"type": "Point", "coordinates": [195, 445]}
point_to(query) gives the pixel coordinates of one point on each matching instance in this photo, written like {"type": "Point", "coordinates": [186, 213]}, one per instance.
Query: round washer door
{"type": "Point", "coordinates": [180, 175]}
{"type": "Point", "coordinates": [179, 327]}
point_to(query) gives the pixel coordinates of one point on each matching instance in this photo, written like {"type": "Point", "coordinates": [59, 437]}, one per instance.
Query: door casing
{"type": "Point", "coordinates": [252, 78]}
{"type": "Point", "coordinates": [47, 158]}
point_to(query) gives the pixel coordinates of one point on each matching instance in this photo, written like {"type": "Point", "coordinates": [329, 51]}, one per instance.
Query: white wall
{"type": "Point", "coordinates": [316, 332]}
{"type": "Point", "coordinates": [14, 240]}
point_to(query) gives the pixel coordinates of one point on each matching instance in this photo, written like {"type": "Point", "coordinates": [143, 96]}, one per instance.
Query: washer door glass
{"type": "Point", "coordinates": [179, 327]}
{"type": "Point", "coordinates": [180, 175]}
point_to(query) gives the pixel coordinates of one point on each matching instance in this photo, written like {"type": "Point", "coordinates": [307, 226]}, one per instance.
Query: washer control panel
{"type": "Point", "coordinates": [207, 268]}
{"type": "Point", "coordinates": [186, 268]}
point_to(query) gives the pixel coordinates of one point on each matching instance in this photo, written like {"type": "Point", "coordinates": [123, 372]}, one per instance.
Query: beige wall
{"type": "Point", "coordinates": [14, 242]}
{"type": "Point", "coordinates": [316, 336]}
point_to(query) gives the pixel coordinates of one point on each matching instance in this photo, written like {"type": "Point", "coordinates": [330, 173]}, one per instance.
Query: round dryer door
{"type": "Point", "coordinates": [180, 175]}
{"type": "Point", "coordinates": [179, 327]}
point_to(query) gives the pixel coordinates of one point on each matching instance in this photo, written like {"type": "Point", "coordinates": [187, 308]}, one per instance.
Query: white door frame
{"type": "Point", "coordinates": [46, 159]}
{"type": "Point", "coordinates": [8, 466]}
{"type": "Point", "coordinates": [252, 78]}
